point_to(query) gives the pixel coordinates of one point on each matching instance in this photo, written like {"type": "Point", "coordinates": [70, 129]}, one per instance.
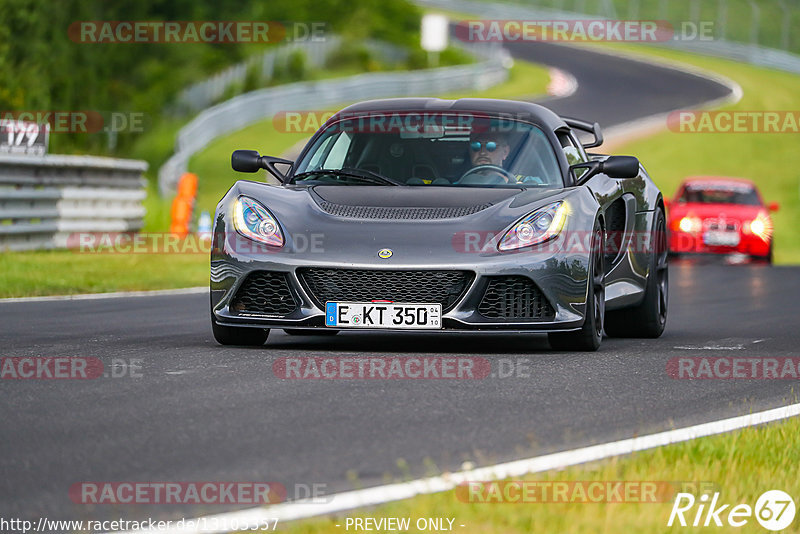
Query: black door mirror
{"type": "Point", "coordinates": [246, 161]}
{"type": "Point", "coordinates": [613, 166]}
{"type": "Point", "coordinates": [621, 167]}
{"type": "Point", "coordinates": [251, 161]}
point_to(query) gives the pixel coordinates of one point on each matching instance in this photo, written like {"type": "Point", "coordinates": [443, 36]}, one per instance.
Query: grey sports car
{"type": "Point", "coordinates": [462, 215]}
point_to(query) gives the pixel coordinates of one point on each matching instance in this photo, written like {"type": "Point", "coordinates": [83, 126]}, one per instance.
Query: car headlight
{"type": "Point", "coordinates": [761, 226]}
{"type": "Point", "coordinates": [690, 225]}
{"type": "Point", "coordinates": [255, 222]}
{"type": "Point", "coordinates": [536, 227]}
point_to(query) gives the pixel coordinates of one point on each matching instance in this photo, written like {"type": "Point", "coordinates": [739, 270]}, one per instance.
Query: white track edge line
{"type": "Point", "coordinates": [340, 502]}
{"type": "Point", "coordinates": [114, 295]}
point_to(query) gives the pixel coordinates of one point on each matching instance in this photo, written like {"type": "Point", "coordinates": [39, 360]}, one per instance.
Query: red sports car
{"type": "Point", "coordinates": [719, 215]}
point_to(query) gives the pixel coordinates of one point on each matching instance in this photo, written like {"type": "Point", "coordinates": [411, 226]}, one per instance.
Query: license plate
{"type": "Point", "coordinates": [382, 315]}
{"type": "Point", "coordinates": [723, 239]}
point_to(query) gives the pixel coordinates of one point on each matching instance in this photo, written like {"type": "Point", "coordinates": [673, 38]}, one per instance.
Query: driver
{"type": "Point", "coordinates": [487, 152]}
{"type": "Point", "coordinates": [488, 148]}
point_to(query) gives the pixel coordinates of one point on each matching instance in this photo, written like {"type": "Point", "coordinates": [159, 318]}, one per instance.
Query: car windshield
{"type": "Point", "coordinates": [424, 149]}
{"type": "Point", "coordinates": [720, 194]}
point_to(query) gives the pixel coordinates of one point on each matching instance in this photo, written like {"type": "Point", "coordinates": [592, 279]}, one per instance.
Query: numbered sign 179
{"type": "Point", "coordinates": [21, 137]}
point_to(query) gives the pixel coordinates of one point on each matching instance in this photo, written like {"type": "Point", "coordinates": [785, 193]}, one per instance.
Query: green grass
{"type": "Point", "coordinates": [740, 465]}
{"type": "Point", "coordinates": [771, 160]}
{"type": "Point", "coordinates": [27, 274]}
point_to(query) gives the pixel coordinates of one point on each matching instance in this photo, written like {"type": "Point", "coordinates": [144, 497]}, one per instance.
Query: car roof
{"type": "Point", "coordinates": [512, 109]}
{"type": "Point", "coordinates": [718, 181]}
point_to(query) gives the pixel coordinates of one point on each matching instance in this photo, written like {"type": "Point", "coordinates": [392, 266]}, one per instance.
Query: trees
{"type": "Point", "coordinates": [43, 69]}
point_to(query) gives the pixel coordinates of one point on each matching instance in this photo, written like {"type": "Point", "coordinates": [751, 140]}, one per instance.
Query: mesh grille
{"type": "Point", "coordinates": [615, 217]}
{"type": "Point", "coordinates": [378, 213]}
{"type": "Point", "coordinates": [514, 297]}
{"type": "Point", "coordinates": [615, 229]}
{"type": "Point", "coordinates": [265, 292]}
{"type": "Point", "coordinates": [359, 285]}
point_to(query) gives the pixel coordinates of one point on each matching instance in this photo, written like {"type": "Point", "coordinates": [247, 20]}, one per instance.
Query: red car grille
{"type": "Point", "coordinates": [724, 225]}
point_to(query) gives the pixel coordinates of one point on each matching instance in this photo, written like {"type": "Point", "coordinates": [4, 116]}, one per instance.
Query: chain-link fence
{"type": "Point", "coordinates": [763, 32]}
{"type": "Point", "coordinates": [767, 23]}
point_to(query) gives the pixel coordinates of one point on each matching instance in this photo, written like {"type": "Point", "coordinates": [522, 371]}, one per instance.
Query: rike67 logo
{"type": "Point", "coordinates": [774, 510]}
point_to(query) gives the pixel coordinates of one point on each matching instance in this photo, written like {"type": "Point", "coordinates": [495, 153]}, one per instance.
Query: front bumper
{"type": "Point", "coordinates": [692, 243]}
{"type": "Point", "coordinates": [559, 276]}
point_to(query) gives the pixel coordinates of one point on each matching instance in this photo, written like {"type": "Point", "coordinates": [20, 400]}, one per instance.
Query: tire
{"type": "Point", "coordinates": [648, 319]}
{"type": "Point", "coordinates": [590, 335]}
{"type": "Point", "coordinates": [310, 332]}
{"type": "Point", "coordinates": [239, 335]}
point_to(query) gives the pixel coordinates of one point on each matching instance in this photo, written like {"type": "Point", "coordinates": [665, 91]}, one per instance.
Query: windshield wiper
{"type": "Point", "coordinates": [364, 173]}
{"type": "Point", "coordinates": [368, 176]}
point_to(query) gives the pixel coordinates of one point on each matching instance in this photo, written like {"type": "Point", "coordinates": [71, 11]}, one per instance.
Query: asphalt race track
{"type": "Point", "coordinates": [202, 412]}
{"type": "Point", "coordinates": [613, 90]}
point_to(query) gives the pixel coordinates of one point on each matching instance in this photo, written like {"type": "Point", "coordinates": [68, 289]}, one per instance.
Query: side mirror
{"type": "Point", "coordinates": [621, 167]}
{"type": "Point", "coordinates": [773, 206]}
{"type": "Point", "coordinates": [246, 161]}
{"type": "Point", "coordinates": [251, 161]}
{"type": "Point", "coordinates": [613, 166]}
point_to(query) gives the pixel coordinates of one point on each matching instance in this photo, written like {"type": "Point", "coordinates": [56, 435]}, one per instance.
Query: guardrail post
{"type": "Point", "coordinates": [633, 9]}
{"type": "Point", "coordinates": [755, 22]}
{"type": "Point", "coordinates": [722, 18]}
{"type": "Point", "coordinates": [787, 21]}
{"type": "Point", "coordinates": [694, 12]}
{"type": "Point", "coordinates": [663, 9]}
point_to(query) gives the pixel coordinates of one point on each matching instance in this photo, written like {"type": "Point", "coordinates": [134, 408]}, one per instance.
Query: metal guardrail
{"type": "Point", "coordinates": [46, 200]}
{"type": "Point", "coordinates": [749, 52]}
{"type": "Point", "coordinates": [246, 109]}
{"type": "Point", "coordinates": [204, 94]}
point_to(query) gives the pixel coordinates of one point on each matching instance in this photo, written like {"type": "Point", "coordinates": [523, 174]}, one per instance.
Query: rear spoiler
{"type": "Point", "coordinates": [588, 127]}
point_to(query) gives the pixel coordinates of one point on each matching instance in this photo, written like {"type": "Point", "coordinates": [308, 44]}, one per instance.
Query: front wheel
{"type": "Point", "coordinates": [649, 318]}
{"type": "Point", "coordinates": [238, 335]}
{"type": "Point", "coordinates": [591, 333]}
